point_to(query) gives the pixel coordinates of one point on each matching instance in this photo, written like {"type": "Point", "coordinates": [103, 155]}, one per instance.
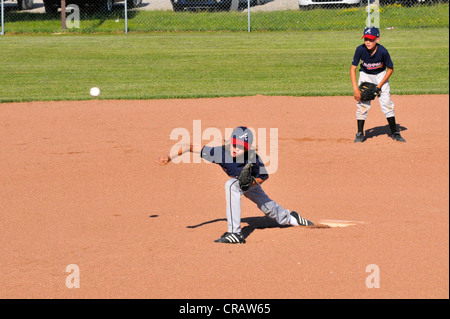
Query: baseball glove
{"type": "Point", "coordinates": [245, 177]}
{"type": "Point", "coordinates": [369, 91]}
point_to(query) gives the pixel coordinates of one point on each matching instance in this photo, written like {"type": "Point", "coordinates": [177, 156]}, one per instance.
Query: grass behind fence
{"type": "Point", "coordinates": [290, 20]}
{"type": "Point", "coordinates": [204, 64]}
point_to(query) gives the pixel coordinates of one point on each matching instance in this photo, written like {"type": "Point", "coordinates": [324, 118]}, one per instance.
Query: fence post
{"type": "Point", "coordinates": [248, 13]}
{"type": "Point", "coordinates": [126, 16]}
{"type": "Point", "coordinates": [63, 14]}
{"type": "Point", "coordinates": [3, 20]}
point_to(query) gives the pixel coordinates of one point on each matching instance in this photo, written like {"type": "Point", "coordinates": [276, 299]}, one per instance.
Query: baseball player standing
{"type": "Point", "coordinates": [232, 158]}
{"type": "Point", "coordinates": [376, 67]}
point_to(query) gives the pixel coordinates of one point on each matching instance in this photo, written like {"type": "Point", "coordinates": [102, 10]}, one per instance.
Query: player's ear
{"type": "Point", "coordinates": [377, 40]}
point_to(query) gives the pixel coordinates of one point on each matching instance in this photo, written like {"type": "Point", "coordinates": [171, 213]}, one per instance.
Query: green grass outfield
{"type": "Point", "coordinates": [209, 64]}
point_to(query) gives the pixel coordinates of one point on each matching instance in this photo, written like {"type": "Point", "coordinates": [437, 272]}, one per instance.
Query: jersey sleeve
{"type": "Point", "coordinates": [387, 60]}
{"type": "Point", "coordinates": [211, 154]}
{"type": "Point", "coordinates": [356, 56]}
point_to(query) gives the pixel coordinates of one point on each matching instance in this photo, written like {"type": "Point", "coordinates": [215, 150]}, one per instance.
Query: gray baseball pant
{"type": "Point", "coordinates": [256, 194]}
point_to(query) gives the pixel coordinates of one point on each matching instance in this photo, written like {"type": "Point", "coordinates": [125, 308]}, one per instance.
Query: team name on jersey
{"type": "Point", "coordinates": [372, 66]}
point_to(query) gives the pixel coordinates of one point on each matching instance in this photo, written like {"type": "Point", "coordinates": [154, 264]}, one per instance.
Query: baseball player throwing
{"type": "Point", "coordinates": [376, 68]}
{"type": "Point", "coordinates": [246, 172]}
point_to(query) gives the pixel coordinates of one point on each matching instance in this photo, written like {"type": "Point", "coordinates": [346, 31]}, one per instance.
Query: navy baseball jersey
{"type": "Point", "coordinates": [232, 166]}
{"type": "Point", "coordinates": [372, 64]}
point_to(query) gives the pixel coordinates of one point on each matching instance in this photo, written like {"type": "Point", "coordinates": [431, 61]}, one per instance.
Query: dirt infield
{"type": "Point", "coordinates": [80, 186]}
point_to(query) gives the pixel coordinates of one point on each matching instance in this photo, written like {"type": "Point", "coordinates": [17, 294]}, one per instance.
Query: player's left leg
{"type": "Point", "coordinates": [387, 107]}
{"type": "Point", "coordinates": [274, 211]}
{"type": "Point", "coordinates": [395, 134]}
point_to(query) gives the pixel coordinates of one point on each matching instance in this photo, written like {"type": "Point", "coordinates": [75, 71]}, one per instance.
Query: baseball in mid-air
{"type": "Point", "coordinates": [95, 91]}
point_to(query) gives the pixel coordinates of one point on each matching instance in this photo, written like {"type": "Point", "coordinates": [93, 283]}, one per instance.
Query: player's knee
{"type": "Point", "coordinates": [389, 114]}
{"type": "Point", "coordinates": [388, 109]}
{"type": "Point", "coordinates": [361, 117]}
{"type": "Point", "coordinates": [231, 183]}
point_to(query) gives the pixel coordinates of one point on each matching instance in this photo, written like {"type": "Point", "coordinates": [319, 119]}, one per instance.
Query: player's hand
{"type": "Point", "coordinates": [163, 160]}
{"type": "Point", "coordinates": [357, 95]}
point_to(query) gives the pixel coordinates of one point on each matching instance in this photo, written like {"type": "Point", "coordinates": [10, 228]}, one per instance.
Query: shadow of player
{"type": "Point", "coordinates": [258, 222]}
{"type": "Point", "coordinates": [381, 130]}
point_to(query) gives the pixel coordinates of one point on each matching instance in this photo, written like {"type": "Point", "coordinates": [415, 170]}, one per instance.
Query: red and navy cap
{"type": "Point", "coordinates": [242, 136]}
{"type": "Point", "coordinates": [371, 33]}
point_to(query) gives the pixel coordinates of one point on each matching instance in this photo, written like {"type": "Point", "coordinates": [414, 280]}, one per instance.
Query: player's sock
{"type": "Point", "coordinates": [293, 221]}
{"type": "Point", "coordinates": [392, 124]}
{"type": "Point", "coordinates": [361, 126]}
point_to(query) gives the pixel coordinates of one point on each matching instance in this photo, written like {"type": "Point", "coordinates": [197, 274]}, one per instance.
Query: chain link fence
{"type": "Point", "coordinates": [114, 16]}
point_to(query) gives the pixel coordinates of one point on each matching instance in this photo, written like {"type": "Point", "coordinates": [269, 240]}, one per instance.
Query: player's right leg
{"type": "Point", "coordinates": [361, 114]}
{"type": "Point", "coordinates": [362, 108]}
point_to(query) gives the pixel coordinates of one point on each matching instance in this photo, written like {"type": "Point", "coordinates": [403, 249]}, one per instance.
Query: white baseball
{"type": "Point", "coordinates": [95, 91]}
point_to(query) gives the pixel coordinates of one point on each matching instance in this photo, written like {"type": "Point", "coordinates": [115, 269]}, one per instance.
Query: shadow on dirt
{"type": "Point", "coordinates": [259, 222]}
{"type": "Point", "coordinates": [382, 130]}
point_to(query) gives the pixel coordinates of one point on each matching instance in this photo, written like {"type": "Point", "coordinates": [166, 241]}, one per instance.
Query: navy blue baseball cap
{"type": "Point", "coordinates": [371, 33]}
{"type": "Point", "coordinates": [242, 136]}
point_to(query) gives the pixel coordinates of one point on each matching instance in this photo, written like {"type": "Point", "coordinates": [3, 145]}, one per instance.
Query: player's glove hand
{"type": "Point", "coordinates": [245, 177]}
{"type": "Point", "coordinates": [369, 91]}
